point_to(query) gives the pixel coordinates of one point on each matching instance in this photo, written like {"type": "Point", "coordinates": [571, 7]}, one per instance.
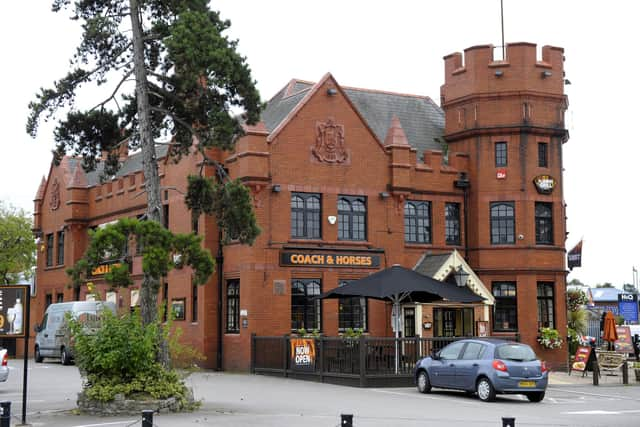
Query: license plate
{"type": "Point", "coordinates": [527, 383]}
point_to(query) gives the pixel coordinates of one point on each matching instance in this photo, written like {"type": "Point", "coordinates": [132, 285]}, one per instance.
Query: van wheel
{"type": "Point", "coordinates": [37, 356]}
{"type": "Point", "coordinates": [64, 357]}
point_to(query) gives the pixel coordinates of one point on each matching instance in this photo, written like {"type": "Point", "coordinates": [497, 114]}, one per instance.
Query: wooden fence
{"type": "Point", "coordinates": [364, 361]}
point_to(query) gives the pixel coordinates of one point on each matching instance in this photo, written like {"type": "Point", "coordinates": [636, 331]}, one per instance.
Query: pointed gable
{"type": "Point", "coordinates": [396, 135]}
{"type": "Point", "coordinates": [78, 179]}
{"type": "Point", "coordinates": [41, 188]}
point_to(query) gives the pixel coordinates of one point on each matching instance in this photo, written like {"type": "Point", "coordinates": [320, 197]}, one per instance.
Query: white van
{"type": "Point", "coordinates": [52, 335]}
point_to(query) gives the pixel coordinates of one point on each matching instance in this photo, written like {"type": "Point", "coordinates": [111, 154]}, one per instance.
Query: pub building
{"type": "Point", "coordinates": [346, 182]}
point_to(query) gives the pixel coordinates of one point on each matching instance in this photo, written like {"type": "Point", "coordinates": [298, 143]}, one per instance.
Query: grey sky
{"type": "Point", "coordinates": [394, 46]}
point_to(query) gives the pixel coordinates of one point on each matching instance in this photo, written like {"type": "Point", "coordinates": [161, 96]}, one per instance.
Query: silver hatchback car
{"type": "Point", "coordinates": [486, 367]}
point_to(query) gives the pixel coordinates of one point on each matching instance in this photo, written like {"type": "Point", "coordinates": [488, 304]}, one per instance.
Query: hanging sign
{"type": "Point", "coordinates": [544, 184]}
{"type": "Point", "coordinates": [303, 354]}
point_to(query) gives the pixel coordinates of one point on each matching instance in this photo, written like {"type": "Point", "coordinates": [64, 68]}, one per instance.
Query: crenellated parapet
{"type": "Point", "coordinates": [481, 91]}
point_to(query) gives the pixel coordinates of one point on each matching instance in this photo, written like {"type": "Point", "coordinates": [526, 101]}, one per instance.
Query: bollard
{"type": "Point", "coordinates": [596, 372]}
{"type": "Point", "coordinates": [5, 414]}
{"type": "Point", "coordinates": [346, 420]}
{"type": "Point", "coordinates": [508, 422]}
{"type": "Point", "coordinates": [625, 373]}
{"type": "Point", "coordinates": [147, 418]}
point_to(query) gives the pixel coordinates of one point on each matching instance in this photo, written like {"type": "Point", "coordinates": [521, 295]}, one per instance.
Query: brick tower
{"type": "Point", "coordinates": [508, 115]}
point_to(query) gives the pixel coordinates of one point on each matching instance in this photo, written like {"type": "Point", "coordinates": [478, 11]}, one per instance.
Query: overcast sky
{"type": "Point", "coordinates": [394, 46]}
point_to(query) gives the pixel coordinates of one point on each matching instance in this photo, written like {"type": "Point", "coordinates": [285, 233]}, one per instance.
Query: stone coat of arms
{"type": "Point", "coordinates": [329, 145]}
{"type": "Point", "coordinates": [54, 203]}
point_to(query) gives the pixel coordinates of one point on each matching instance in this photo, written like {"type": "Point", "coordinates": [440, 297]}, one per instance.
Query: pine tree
{"type": "Point", "coordinates": [188, 77]}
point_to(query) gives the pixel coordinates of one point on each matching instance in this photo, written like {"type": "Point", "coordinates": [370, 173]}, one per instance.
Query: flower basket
{"type": "Point", "coordinates": [549, 338]}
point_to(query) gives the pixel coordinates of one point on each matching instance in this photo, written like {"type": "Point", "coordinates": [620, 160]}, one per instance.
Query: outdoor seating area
{"type": "Point", "coordinates": [610, 362]}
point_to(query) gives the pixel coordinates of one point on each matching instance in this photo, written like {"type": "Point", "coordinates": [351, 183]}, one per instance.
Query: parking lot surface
{"type": "Point", "coordinates": [249, 400]}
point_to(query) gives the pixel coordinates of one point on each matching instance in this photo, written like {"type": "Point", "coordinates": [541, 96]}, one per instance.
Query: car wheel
{"type": "Point", "coordinates": [535, 397]}
{"type": "Point", "coordinates": [485, 390]}
{"type": "Point", "coordinates": [64, 356]}
{"type": "Point", "coordinates": [424, 385]}
{"type": "Point", "coordinates": [37, 356]}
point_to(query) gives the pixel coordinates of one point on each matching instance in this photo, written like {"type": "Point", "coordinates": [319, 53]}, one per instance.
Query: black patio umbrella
{"type": "Point", "coordinates": [398, 284]}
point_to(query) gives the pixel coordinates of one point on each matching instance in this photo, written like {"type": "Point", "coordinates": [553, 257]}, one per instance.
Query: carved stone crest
{"type": "Point", "coordinates": [54, 203]}
{"type": "Point", "coordinates": [329, 145]}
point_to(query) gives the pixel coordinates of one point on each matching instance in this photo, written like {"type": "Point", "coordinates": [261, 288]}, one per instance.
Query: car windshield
{"type": "Point", "coordinates": [518, 352]}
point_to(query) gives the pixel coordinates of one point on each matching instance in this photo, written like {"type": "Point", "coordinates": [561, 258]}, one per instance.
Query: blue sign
{"type": "Point", "coordinates": [628, 307]}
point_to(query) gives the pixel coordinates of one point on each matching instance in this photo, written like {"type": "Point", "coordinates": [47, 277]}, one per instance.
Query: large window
{"type": "Point", "coordinates": [505, 315]}
{"type": "Point", "coordinates": [305, 307]}
{"type": "Point", "coordinates": [233, 306]}
{"type": "Point", "coordinates": [543, 154]}
{"type": "Point", "coordinates": [502, 223]}
{"type": "Point", "coordinates": [352, 312]}
{"type": "Point", "coordinates": [545, 305]}
{"type": "Point", "coordinates": [501, 154]}
{"type": "Point", "coordinates": [49, 250]}
{"type": "Point", "coordinates": [352, 218]}
{"type": "Point", "coordinates": [544, 223]}
{"type": "Point", "coordinates": [452, 223]}
{"type": "Point", "coordinates": [60, 247]}
{"type": "Point", "coordinates": [305, 216]}
{"type": "Point", "coordinates": [417, 222]}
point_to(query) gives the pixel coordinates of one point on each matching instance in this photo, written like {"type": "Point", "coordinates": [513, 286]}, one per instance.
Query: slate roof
{"type": "Point", "coordinates": [421, 119]}
{"type": "Point", "coordinates": [132, 164]}
{"type": "Point", "coordinates": [430, 264]}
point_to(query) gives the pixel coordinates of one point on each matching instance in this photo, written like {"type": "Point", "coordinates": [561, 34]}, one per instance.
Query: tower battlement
{"type": "Point", "coordinates": [520, 70]}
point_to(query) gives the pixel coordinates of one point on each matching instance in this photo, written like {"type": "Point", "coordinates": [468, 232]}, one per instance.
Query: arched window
{"type": "Point", "coordinates": [305, 308]}
{"type": "Point", "coordinates": [544, 223]}
{"type": "Point", "coordinates": [352, 218]}
{"type": "Point", "coordinates": [233, 306]}
{"type": "Point", "coordinates": [417, 222]}
{"type": "Point", "coordinates": [305, 216]}
{"type": "Point", "coordinates": [503, 223]}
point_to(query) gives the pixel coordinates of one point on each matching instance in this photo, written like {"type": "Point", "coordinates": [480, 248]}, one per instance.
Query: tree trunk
{"type": "Point", "coordinates": [149, 291]}
{"type": "Point", "coordinates": [150, 286]}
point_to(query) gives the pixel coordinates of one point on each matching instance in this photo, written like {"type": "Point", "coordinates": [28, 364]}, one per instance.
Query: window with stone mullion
{"type": "Point", "coordinates": [417, 222]}
{"type": "Point", "coordinates": [544, 223]}
{"type": "Point", "coordinates": [305, 307]}
{"type": "Point", "coordinates": [352, 218]}
{"type": "Point", "coordinates": [305, 216]}
{"type": "Point", "coordinates": [452, 223]}
{"type": "Point", "coordinates": [505, 315]}
{"type": "Point", "coordinates": [352, 312]}
{"type": "Point", "coordinates": [502, 223]}
{"type": "Point", "coordinates": [545, 305]}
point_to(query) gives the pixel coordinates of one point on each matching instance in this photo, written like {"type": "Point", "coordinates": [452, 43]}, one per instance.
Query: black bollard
{"type": "Point", "coordinates": [147, 418]}
{"type": "Point", "coordinates": [508, 422]}
{"type": "Point", "coordinates": [346, 420]}
{"type": "Point", "coordinates": [625, 373]}
{"type": "Point", "coordinates": [5, 414]}
{"type": "Point", "coordinates": [596, 372]}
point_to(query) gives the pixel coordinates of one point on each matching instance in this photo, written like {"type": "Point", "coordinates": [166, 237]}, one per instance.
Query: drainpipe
{"type": "Point", "coordinates": [464, 184]}
{"type": "Point", "coordinates": [219, 264]}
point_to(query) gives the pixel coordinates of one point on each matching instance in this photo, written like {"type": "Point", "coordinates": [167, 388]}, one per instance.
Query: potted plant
{"type": "Point", "coordinates": [549, 338]}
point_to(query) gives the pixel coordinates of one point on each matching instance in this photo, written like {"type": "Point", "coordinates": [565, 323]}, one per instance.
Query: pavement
{"type": "Point", "coordinates": [580, 378]}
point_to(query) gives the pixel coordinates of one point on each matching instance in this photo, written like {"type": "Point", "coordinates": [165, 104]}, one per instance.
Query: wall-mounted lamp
{"type": "Point", "coordinates": [546, 74]}
{"type": "Point", "coordinates": [384, 195]}
{"type": "Point", "coordinates": [499, 73]}
{"type": "Point", "coordinates": [332, 91]}
{"type": "Point", "coordinates": [461, 276]}
{"type": "Point", "coordinates": [275, 188]}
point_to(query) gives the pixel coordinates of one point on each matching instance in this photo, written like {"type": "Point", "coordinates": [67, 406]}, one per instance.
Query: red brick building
{"type": "Point", "coordinates": [346, 182]}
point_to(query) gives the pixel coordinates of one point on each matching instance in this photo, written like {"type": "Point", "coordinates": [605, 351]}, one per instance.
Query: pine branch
{"type": "Point", "coordinates": [115, 91]}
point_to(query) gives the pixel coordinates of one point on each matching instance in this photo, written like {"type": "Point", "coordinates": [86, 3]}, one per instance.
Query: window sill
{"type": "Point", "coordinates": [417, 245]}
{"type": "Point", "coordinates": [53, 267]}
{"type": "Point", "coordinates": [232, 333]}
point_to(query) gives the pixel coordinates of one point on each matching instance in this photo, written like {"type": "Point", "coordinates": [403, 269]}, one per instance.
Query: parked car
{"type": "Point", "coordinates": [486, 367]}
{"type": "Point", "coordinates": [53, 337]}
{"type": "Point", "coordinates": [4, 368]}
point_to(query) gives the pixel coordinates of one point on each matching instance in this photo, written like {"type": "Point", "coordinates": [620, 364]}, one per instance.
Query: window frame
{"type": "Point", "coordinates": [500, 154]}
{"type": "Point", "coordinates": [544, 223]}
{"type": "Point", "coordinates": [543, 154]}
{"type": "Point", "coordinates": [510, 303]}
{"type": "Point", "coordinates": [60, 248]}
{"type": "Point", "coordinates": [351, 320]}
{"type": "Point", "coordinates": [418, 225]}
{"type": "Point", "coordinates": [546, 304]}
{"type": "Point", "coordinates": [502, 227]}
{"type": "Point", "coordinates": [346, 217]}
{"type": "Point", "coordinates": [49, 253]}
{"type": "Point", "coordinates": [311, 307]}
{"type": "Point", "coordinates": [452, 224]}
{"type": "Point", "coordinates": [310, 216]}
{"type": "Point", "coordinates": [232, 322]}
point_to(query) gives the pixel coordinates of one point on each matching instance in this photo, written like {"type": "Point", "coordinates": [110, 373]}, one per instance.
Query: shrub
{"type": "Point", "coordinates": [119, 357]}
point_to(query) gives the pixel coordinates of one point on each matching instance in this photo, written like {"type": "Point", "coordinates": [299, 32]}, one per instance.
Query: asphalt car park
{"type": "Point", "coordinates": [230, 399]}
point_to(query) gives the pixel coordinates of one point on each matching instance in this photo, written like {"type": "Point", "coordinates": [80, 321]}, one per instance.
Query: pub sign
{"type": "Point", "coordinates": [328, 259]}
